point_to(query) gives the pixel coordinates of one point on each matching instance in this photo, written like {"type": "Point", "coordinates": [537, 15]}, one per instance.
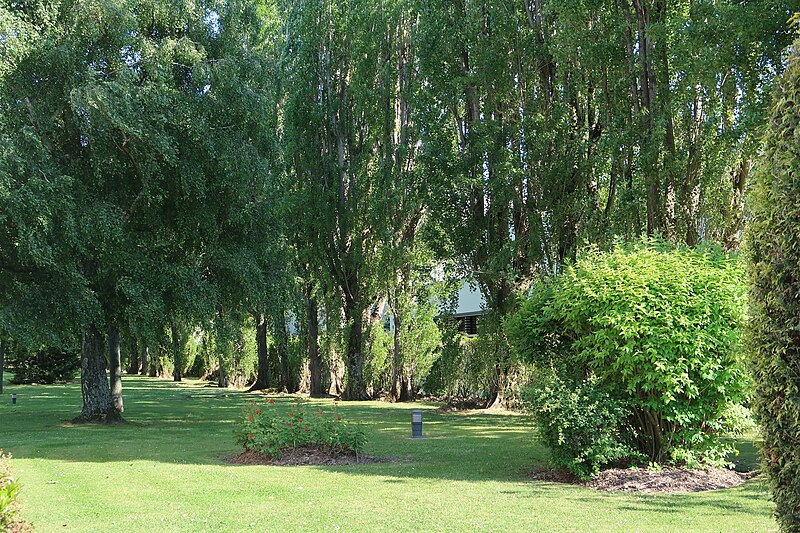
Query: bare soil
{"type": "Point", "coordinates": [306, 456]}
{"type": "Point", "coordinates": [667, 480]}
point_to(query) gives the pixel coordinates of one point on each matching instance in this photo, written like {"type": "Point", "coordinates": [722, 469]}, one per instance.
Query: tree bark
{"type": "Point", "coordinates": [144, 357]}
{"type": "Point", "coordinates": [115, 368]}
{"type": "Point", "coordinates": [314, 359]}
{"type": "Point", "coordinates": [282, 345]}
{"type": "Point", "coordinates": [177, 353]}
{"type": "Point", "coordinates": [262, 378]}
{"type": "Point", "coordinates": [355, 388]}
{"type": "Point", "coordinates": [397, 360]}
{"type": "Point", "coordinates": [98, 404]}
{"type": "Point", "coordinates": [2, 362]}
{"type": "Point", "coordinates": [133, 367]}
{"type": "Point", "coordinates": [337, 384]}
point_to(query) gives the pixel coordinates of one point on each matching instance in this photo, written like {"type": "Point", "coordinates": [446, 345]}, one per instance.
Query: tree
{"type": "Point", "coordinates": [137, 133]}
{"type": "Point", "coordinates": [773, 252]}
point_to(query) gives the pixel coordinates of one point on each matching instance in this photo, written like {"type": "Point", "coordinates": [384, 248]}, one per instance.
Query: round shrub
{"type": "Point", "coordinates": [659, 329]}
{"type": "Point", "coordinates": [772, 247]}
{"type": "Point", "coordinates": [580, 423]}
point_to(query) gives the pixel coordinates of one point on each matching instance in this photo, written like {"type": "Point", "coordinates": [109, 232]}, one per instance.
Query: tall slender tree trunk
{"type": "Point", "coordinates": [133, 366]}
{"type": "Point", "coordinates": [2, 362]}
{"type": "Point", "coordinates": [144, 357]}
{"type": "Point", "coordinates": [355, 388]}
{"type": "Point", "coordinates": [222, 380]}
{"type": "Point", "coordinates": [177, 353]}
{"type": "Point", "coordinates": [396, 392]}
{"type": "Point", "coordinates": [115, 368]}
{"type": "Point", "coordinates": [262, 378]}
{"type": "Point", "coordinates": [98, 405]}
{"type": "Point", "coordinates": [337, 384]}
{"type": "Point", "coordinates": [282, 345]}
{"type": "Point", "coordinates": [153, 369]}
{"type": "Point", "coordinates": [312, 334]}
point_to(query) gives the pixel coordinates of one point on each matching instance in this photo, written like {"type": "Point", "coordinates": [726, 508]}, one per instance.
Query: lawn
{"type": "Point", "coordinates": [165, 471]}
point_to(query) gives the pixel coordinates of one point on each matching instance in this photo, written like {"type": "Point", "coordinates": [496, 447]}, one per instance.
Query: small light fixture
{"type": "Point", "coordinates": [13, 399]}
{"type": "Point", "coordinates": [416, 424]}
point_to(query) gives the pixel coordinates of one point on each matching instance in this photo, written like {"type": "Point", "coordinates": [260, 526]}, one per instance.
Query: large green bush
{"type": "Point", "coordinates": [657, 328]}
{"type": "Point", "coordinates": [48, 365]}
{"type": "Point", "coordinates": [773, 251]}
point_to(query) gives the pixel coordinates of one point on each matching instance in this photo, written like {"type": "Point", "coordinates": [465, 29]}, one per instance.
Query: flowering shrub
{"type": "Point", "coordinates": [270, 430]}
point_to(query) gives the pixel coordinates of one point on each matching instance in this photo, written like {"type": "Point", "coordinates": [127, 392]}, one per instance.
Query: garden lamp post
{"type": "Point", "coordinates": [416, 424]}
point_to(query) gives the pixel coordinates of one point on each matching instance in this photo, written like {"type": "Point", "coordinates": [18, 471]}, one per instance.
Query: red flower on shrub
{"type": "Point", "coordinates": [291, 414]}
{"type": "Point", "coordinates": [290, 424]}
{"type": "Point", "coordinates": [300, 421]}
{"type": "Point", "coordinates": [338, 418]}
{"type": "Point", "coordinates": [272, 400]}
{"type": "Point", "coordinates": [306, 428]}
{"type": "Point", "coordinates": [249, 417]}
{"type": "Point", "coordinates": [251, 435]}
{"type": "Point", "coordinates": [345, 446]}
{"type": "Point", "coordinates": [258, 411]}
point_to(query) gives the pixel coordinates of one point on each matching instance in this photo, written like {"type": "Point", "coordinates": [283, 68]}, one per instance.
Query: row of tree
{"type": "Point", "coordinates": [178, 168]}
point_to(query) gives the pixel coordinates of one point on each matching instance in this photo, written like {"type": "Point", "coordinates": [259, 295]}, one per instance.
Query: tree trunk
{"type": "Point", "coordinates": [222, 380]}
{"type": "Point", "coordinates": [355, 388]}
{"type": "Point", "coordinates": [396, 393]}
{"type": "Point", "coordinates": [282, 345]}
{"type": "Point", "coordinates": [177, 353]}
{"type": "Point", "coordinates": [314, 359]}
{"type": "Point", "coordinates": [337, 385]}
{"type": "Point", "coordinates": [497, 396]}
{"type": "Point", "coordinates": [133, 367]}
{"type": "Point", "coordinates": [262, 379]}
{"type": "Point", "coordinates": [98, 404]}
{"type": "Point", "coordinates": [154, 362]}
{"type": "Point", "coordinates": [2, 362]}
{"type": "Point", "coordinates": [115, 367]}
{"type": "Point", "coordinates": [144, 357]}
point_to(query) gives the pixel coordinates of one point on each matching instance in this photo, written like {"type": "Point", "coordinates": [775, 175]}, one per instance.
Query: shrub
{"type": "Point", "coordinates": [659, 327]}
{"type": "Point", "coordinates": [580, 423]}
{"type": "Point", "coordinates": [271, 431]}
{"type": "Point", "coordinates": [772, 247]}
{"type": "Point", "coordinates": [46, 366]}
{"type": "Point", "coordinates": [9, 488]}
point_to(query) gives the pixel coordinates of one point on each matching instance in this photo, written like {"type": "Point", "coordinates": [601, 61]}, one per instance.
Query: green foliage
{"type": "Point", "coordinates": [48, 365]}
{"type": "Point", "coordinates": [270, 430]}
{"type": "Point", "coordinates": [660, 328]}
{"type": "Point", "coordinates": [9, 489]}
{"type": "Point", "coordinates": [581, 424]}
{"type": "Point", "coordinates": [773, 253]}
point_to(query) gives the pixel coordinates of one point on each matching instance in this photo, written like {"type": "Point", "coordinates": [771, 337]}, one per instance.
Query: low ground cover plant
{"type": "Point", "coordinates": [272, 429]}
{"type": "Point", "coordinates": [647, 328]}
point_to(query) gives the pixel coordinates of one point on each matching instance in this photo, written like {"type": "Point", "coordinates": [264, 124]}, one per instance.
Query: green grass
{"type": "Point", "coordinates": [164, 472]}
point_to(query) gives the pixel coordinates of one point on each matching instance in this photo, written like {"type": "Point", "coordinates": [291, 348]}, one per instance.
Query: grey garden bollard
{"type": "Point", "coordinates": [13, 399]}
{"type": "Point", "coordinates": [416, 424]}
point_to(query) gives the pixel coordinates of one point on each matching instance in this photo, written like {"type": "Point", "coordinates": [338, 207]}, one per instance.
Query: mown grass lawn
{"type": "Point", "coordinates": [165, 472]}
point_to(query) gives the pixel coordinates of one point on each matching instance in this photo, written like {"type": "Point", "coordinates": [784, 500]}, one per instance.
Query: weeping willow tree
{"type": "Point", "coordinates": [136, 140]}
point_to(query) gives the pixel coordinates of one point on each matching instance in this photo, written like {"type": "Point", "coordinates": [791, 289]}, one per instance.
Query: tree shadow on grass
{"type": "Point", "coordinates": [193, 423]}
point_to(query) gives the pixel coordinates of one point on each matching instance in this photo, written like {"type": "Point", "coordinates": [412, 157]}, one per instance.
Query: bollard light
{"type": "Point", "coordinates": [13, 399]}
{"type": "Point", "coordinates": [416, 424]}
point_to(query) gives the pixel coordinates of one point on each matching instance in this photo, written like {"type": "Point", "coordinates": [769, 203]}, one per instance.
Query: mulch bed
{"type": "Point", "coordinates": [667, 480]}
{"type": "Point", "coordinates": [306, 456]}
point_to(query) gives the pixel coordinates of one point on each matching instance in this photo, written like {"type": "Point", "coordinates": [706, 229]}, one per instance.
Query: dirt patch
{"type": "Point", "coordinates": [306, 456]}
{"type": "Point", "coordinates": [667, 480]}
